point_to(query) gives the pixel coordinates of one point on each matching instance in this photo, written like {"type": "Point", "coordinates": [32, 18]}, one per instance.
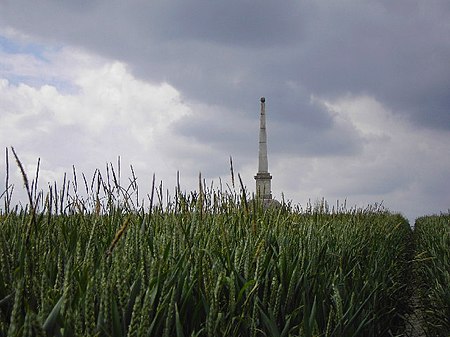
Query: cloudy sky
{"type": "Point", "coordinates": [357, 94]}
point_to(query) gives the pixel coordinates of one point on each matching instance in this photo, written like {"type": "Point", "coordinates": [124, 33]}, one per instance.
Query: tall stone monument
{"type": "Point", "coordinates": [263, 177]}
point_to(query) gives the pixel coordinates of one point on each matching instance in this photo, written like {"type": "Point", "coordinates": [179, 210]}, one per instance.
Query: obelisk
{"type": "Point", "coordinates": [263, 177]}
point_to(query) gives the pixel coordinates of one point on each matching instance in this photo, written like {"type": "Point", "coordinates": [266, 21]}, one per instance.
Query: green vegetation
{"type": "Point", "coordinates": [432, 237]}
{"type": "Point", "coordinates": [90, 260]}
{"type": "Point", "coordinates": [207, 263]}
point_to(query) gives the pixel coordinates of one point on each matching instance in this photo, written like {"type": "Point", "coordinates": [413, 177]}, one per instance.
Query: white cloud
{"type": "Point", "coordinates": [107, 113]}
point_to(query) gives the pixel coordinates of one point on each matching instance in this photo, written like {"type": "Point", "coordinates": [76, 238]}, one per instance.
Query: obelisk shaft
{"type": "Point", "coordinates": [263, 177]}
{"type": "Point", "coordinates": [263, 165]}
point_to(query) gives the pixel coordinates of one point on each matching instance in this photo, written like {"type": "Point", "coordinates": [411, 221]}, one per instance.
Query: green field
{"type": "Point", "coordinates": [89, 260]}
{"type": "Point", "coordinates": [432, 236]}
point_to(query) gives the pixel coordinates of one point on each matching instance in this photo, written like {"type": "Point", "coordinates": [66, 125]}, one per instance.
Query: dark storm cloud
{"type": "Point", "coordinates": [235, 23]}
{"type": "Point", "coordinates": [230, 53]}
{"type": "Point", "coordinates": [395, 52]}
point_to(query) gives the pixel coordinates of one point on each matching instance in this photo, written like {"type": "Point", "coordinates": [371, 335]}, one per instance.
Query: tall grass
{"type": "Point", "coordinates": [432, 236]}
{"type": "Point", "coordinates": [204, 263]}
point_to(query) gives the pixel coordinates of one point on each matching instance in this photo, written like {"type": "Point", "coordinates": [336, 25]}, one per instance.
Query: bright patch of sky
{"type": "Point", "coordinates": [23, 61]}
{"type": "Point", "coordinates": [10, 46]}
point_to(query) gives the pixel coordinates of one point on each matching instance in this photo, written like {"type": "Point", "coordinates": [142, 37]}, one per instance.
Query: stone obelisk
{"type": "Point", "coordinates": [263, 177]}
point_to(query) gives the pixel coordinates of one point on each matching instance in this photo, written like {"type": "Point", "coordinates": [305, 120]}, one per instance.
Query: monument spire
{"type": "Point", "coordinates": [263, 177]}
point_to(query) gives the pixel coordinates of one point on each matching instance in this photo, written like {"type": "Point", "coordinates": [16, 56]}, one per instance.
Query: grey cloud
{"type": "Point", "coordinates": [293, 133]}
{"type": "Point", "coordinates": [243, 23]}
{"type": "Point", "coordinates": [229, 53]}
{"type": "Point", "coordinates": [395, 53]}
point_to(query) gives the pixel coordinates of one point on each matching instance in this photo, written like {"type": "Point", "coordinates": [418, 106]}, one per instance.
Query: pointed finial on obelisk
{"type": "Point", "coordinates": [263, 177]}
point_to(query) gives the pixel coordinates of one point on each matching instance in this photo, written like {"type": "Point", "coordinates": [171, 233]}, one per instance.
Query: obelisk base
{"type": "Point", "coordinates": [263, 185]}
